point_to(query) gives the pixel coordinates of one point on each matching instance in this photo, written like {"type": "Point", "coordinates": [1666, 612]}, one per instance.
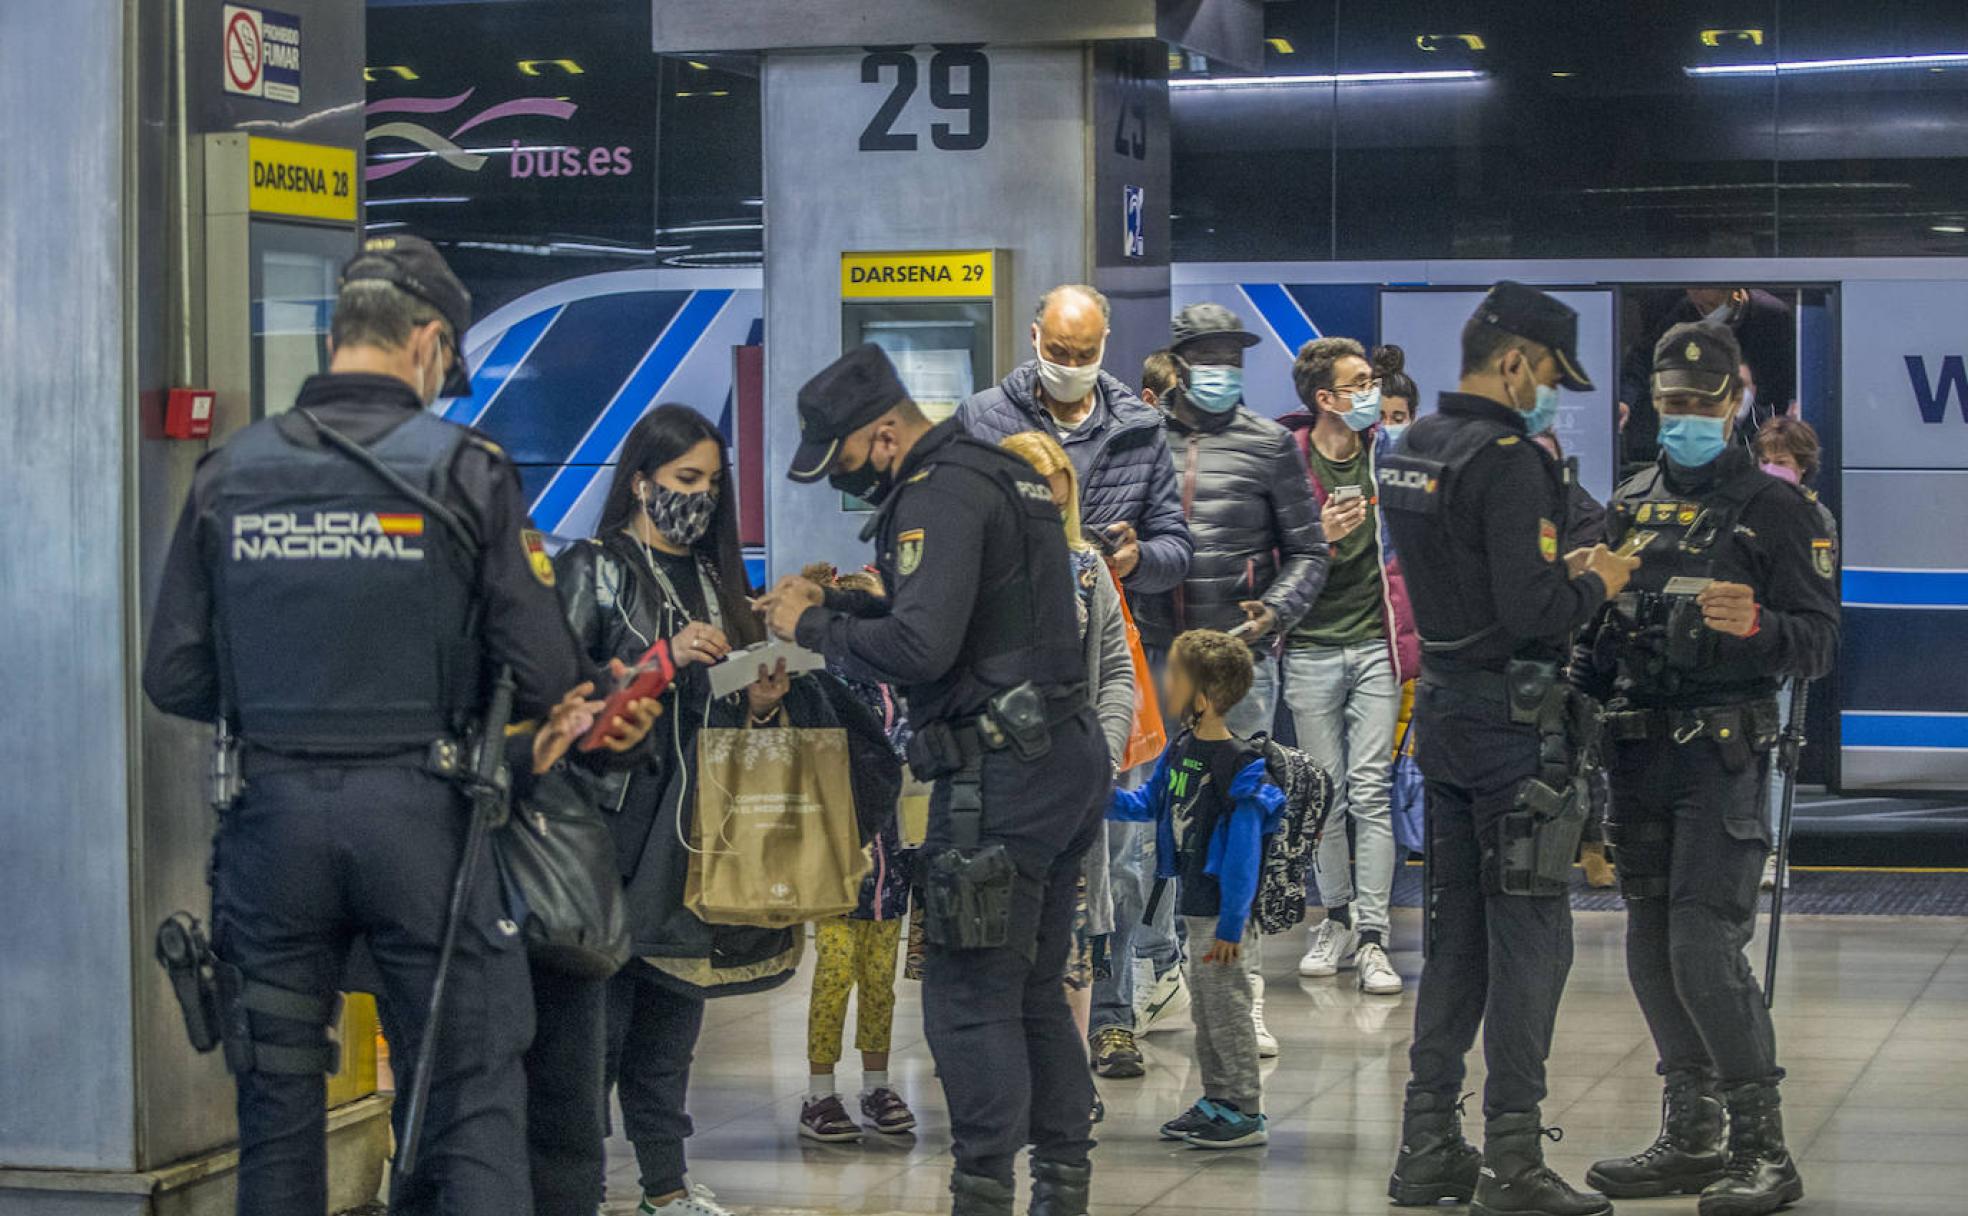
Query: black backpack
{"type": "Point", "coordinates": [1288, 852]}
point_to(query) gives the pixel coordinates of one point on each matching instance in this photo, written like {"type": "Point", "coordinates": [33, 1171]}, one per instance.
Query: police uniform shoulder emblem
{"type": "Point", "coordinates": [536, 556]}
{"type": "Point", "coordinates": [920, 476]}
{"type": "Point", "coordinates": [1506, 441]}
{"type": "Point", "coordinates": [1548, 540]}
{"type": "Point", "coordinates": [1824, 556]}
{"type": "Point", "coordinates": [908, 552]}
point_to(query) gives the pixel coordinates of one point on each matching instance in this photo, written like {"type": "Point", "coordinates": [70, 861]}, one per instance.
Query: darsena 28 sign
{"type": "Point", "coordinates": [308, 181]}
{"type": "Point", "coordinates": [940, 274]}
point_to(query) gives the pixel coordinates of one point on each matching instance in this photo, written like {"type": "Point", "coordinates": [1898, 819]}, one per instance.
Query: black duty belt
{"type": "Point", "coordinates": [441, 758]}
{"type": "Point", "coordinates": [1731, 724]}
{"type": "Point", "coordinates": [978, 734]}
{"type": "Point", "coordinates": [1474, 682]}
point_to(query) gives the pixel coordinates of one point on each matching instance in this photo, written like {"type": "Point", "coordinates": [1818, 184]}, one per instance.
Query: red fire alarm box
{"type": "Point", "coordinates": [188, 413]}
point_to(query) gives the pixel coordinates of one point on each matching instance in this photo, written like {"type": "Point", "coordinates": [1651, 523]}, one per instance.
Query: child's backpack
{"type": "Point", "coordinates": [1308, 790]}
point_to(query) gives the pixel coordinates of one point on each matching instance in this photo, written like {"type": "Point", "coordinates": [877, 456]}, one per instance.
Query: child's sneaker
{"type": "Point", "coordinates": [1194, 1119]}
{"type": "Point", "coordinates": [1228, 1127]}
{"type": "Point", "coordinates": [699, 1202]}
{"type": "Point", "coordinates": [825, 1119]}
{"type": "Point", "coordinates": [886, 1112]}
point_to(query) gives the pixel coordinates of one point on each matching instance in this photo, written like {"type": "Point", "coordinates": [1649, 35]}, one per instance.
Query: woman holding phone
{"type": "Point", "coordinates": [664, 564]}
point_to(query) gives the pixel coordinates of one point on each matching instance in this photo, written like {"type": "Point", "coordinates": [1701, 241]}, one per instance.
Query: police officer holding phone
{"type": "Point", "coordinates": [1476, 511]}
{"type": "Point", "coordinates": [340, 621]}
{"type": "Point", "coordinates": [1737, 593]}
{"type": "Point", "coordinates": [979, 629]}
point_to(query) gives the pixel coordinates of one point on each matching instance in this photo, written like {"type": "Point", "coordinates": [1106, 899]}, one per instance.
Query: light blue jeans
{"type": "Point", "coordinates": [1344, 702]}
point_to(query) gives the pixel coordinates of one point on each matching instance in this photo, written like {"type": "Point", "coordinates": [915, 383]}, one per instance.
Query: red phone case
{"type": "Point", "coordinates": [654, 671]}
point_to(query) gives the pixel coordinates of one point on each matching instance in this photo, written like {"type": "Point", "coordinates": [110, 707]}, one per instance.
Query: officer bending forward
{"type": "Point", "coordinates": [1476, 511]}
{"type": "Point", "coordinates": [1736, 593]}
{"type": "Point", "coordinates": [342, 631]}
{"type": "Point", "coordinates": [979, 629]}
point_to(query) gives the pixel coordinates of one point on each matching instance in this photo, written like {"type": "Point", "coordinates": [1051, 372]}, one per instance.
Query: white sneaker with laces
{"type": "Point", "coordinates": [1770, 874]}
{"type": "Point", "coordinates": [699, 1202]}
{"type": "Point", "coordinates": [1167, 1006]}
{"type": "Point", "coordinates": [1377, 975]}
{"type": "Point", "coordinates": [1267, 1043]}
{"type": "Point", "coordinates": [1331, 950]}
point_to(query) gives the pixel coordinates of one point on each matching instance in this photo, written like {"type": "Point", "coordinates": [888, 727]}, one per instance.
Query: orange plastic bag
{"type": "Point", "coordinates": [1146, 741]}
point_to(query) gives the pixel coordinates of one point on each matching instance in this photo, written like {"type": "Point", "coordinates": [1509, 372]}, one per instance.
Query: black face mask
{"type": "Point", "coordinates": [866, 483]}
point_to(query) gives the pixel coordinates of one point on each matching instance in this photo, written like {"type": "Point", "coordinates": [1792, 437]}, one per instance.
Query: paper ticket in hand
{"type": "Point", "coordinates": [741, 667]}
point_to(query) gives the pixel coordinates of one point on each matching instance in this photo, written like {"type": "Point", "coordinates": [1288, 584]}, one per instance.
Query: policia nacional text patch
{"type": "Point", "coordinates": [536, 556]}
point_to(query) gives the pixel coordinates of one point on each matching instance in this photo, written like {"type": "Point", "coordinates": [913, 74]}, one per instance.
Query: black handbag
{"type": "Point", "coordinates": [556, 860]}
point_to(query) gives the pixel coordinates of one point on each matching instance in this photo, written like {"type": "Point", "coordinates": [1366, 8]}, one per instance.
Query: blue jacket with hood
{"type": "Point", "coordinates": [1121, 455]}
{"type": "Point", "coordinates": [1236, 848]}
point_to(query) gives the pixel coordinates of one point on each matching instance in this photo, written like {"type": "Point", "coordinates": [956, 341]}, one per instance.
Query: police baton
{"type": "Point", "coordinates": [1788, 752]}
{"type": "Point", "coordinates": [487, 792]}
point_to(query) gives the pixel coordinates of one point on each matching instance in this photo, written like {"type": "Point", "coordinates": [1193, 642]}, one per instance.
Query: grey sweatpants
{"type": "Point", "coordinates": [1220, 1004]}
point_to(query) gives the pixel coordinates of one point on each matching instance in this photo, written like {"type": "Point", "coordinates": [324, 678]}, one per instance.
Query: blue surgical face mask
{"type": "Point", "coordinates": [1543, 411]}
{"type": "Point", "coordinates": [1214, 388]}
{"type": "Point", "coordinates": [1394, 430]}
{"type": "Point", "coordinates": [1365, 411]}
{"type": "Point", "coordinates": [1691, 440]}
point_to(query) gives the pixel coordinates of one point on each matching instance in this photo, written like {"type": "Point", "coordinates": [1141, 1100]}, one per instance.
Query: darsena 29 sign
{"type": "Point", "coordinates": [939, 274]}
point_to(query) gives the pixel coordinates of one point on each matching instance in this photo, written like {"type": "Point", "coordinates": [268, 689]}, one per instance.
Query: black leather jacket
{"type": "Point", "coordinates": [617, 611]}
{"type": "Point", "coordinates": [1252, 521]}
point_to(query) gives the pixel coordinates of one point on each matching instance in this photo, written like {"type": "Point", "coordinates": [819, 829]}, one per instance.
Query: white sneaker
{"type": "Point", "coordinates": [1770, 874]}
{"type": "Point", "coordinates": [1331, 950]}
{"type": "Point", "coordinates": [699, 1202]}
{"type": "Point", "coordinates": [1267, 1043]}
{"type": "Point", "coordinates": [1377, 975]}
{"type": "Point", "coordinates": [1166, 1006]}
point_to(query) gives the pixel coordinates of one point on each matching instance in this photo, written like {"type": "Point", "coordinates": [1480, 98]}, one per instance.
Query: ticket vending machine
{"type": "Point", "coordinates": [280, 220]}
{"type": "Point", "coordinates": [941, 315]}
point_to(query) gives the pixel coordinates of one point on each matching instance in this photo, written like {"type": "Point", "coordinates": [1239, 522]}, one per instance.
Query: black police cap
{"type": "Point", "coordinates": [413, 264]}
{"type": "Point", "coordinates": [1208, 321]}
{"type": "Point", "coordinates": [1696, 358]}
{"type": "Point", "coordinates": [845, 396]}
{"type": "Point", "coordinates": [1529, 313]}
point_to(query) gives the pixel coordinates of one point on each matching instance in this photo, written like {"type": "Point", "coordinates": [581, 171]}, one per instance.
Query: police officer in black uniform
{"type": "Point", "coordinates": [344, 635]}
{"type": "Point", "coordinates": [979, 630]}
{"type": "Point", "coordinates": [1737, 593]}
{"type": "Point", "coordinates": [1477, 511]}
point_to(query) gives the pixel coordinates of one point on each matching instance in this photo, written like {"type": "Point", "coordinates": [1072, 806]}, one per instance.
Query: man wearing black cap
{"type": "Point", "coordinates": [980, 629]}
{"type": "Point", "coordinates": [327, 613]}
{"type": "Point", "coordinates": [1738, 593]}
{"type": "Point", "coordinates": [1476, 511]}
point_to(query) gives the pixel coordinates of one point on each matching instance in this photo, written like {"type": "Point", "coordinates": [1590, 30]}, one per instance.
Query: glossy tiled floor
{"type": "Point", "coordinates": [1872, 1017]}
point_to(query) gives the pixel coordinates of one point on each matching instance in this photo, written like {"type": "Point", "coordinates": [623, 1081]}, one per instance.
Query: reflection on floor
{"type": "Point", "coordinates": [1872, 1014]}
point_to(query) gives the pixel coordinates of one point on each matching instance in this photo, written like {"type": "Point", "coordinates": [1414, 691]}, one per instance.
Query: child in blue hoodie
{"type": "Point", "coordinates": [1213, 803]}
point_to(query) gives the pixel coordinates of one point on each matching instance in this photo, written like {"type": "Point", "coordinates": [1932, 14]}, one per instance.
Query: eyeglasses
{"type": "Point", "coordinates": [1359, 386]}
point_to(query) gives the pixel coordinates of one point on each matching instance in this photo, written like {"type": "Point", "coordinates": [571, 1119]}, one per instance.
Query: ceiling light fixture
{"type": "Point", "coordinates": [1261, 82]}
{"type": "Point", "coordinates": [1865, 63]}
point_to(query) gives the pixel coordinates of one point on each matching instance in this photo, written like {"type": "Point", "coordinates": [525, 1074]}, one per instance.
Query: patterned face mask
{"type": "Point", "coordinates": [681, 517]}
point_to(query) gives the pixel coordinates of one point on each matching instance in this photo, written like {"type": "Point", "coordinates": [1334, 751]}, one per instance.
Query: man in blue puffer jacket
{"type": "Point", "coordinates": [1127, 481]}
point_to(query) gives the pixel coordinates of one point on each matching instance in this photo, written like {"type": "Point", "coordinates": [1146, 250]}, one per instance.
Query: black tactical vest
{"type": "Point", "coordinates": [1024, 625]}
{"type": "Point", "coordinates": [345, 617]}
{"type": "Point", "coordinates": [1666, 652]}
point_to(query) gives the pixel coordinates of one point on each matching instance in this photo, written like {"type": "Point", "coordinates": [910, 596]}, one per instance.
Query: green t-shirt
{"type": "Point", "coordinates": [1349, 609]}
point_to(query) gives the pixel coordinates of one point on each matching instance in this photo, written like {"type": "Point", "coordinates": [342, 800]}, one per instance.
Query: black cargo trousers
{"type": "Point", "coordinates": [307, 860]}
{"type": "Point", "coordinates": [1689, 833]}
{"type": "Point", "coordinates": [1013, 1067]}
{"type": "Point", "coordinates": [1496, 960]}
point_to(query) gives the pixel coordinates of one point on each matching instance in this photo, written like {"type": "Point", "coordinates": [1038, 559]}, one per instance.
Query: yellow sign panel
{"type": "Point", "coordinates": [305, 180]}
{"type": "Point", "coordinates": [938, 273]}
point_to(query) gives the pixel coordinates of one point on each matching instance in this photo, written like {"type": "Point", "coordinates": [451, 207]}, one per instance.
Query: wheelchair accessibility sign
{"type": "Point", "coordinates": [1134, 238]}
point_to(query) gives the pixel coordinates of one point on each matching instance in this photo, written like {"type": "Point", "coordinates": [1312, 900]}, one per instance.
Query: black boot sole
{"type": "Point", "coordinates": [1753, 1205]}
{"type": "Point", "coordinates": [1427, 1195]}
{"type": "Point", "coordinates": [1483, 1209]}
{"type": "Point", "coordinates": [1693, 1184]}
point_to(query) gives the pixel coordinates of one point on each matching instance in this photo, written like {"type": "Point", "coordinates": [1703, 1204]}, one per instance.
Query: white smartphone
{"type": "Point", "coordinates": [1347, 493]}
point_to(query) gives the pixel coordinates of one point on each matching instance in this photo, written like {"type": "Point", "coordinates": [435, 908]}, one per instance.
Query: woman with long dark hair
{"type": "Point", "coordinates": [664, 563]}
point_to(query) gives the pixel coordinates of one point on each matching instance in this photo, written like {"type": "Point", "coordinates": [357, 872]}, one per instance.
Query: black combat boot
{"type": "Point", "coordinates": [1060, 1190]}
{"type": "Point", "coordinates": [1760, 1176]}
{"type": "Point", "coordinates": [1515, 1180]}
{"type": "Point", "coordinates": [1436, 1163]}
{"type": "Point", "coordinates": [976, 1195]}
{"type": "Point", "coordinates": [1688, 1155]}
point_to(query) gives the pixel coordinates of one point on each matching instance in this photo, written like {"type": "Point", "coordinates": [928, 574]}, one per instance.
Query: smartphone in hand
{"type": "Point", "coordinates": [648, 678]}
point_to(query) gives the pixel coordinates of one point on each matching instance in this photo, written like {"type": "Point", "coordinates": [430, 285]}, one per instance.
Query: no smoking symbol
{"type": "Point", "coordinates": [243, 52]}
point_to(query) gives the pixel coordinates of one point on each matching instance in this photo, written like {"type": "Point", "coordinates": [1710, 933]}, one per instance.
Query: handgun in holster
{"type": "Point", "coordinates": [187, 958]}
{"type": "Point", "coordinates": [1538, 839]}
{"type": "Point", "coordinates": [968, 886]}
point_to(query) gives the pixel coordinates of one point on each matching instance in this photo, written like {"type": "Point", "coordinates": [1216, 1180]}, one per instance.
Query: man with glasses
{"type": "Point", "coordinates": [1343, 664]}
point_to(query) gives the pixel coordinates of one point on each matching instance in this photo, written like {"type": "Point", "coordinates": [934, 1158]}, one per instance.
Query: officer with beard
{"type": "Point", "coordinates": [1738, 593]}
{"type": "Point", "coordinates": [979, 629]}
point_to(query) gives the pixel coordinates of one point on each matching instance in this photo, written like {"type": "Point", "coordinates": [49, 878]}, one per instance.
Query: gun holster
{"type": "Point", "coordinates": [186, 956]}
{"type": "Point", "coordinates": [1538, 839]}
{"type": "Point", "coordinates": [968, 887]}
